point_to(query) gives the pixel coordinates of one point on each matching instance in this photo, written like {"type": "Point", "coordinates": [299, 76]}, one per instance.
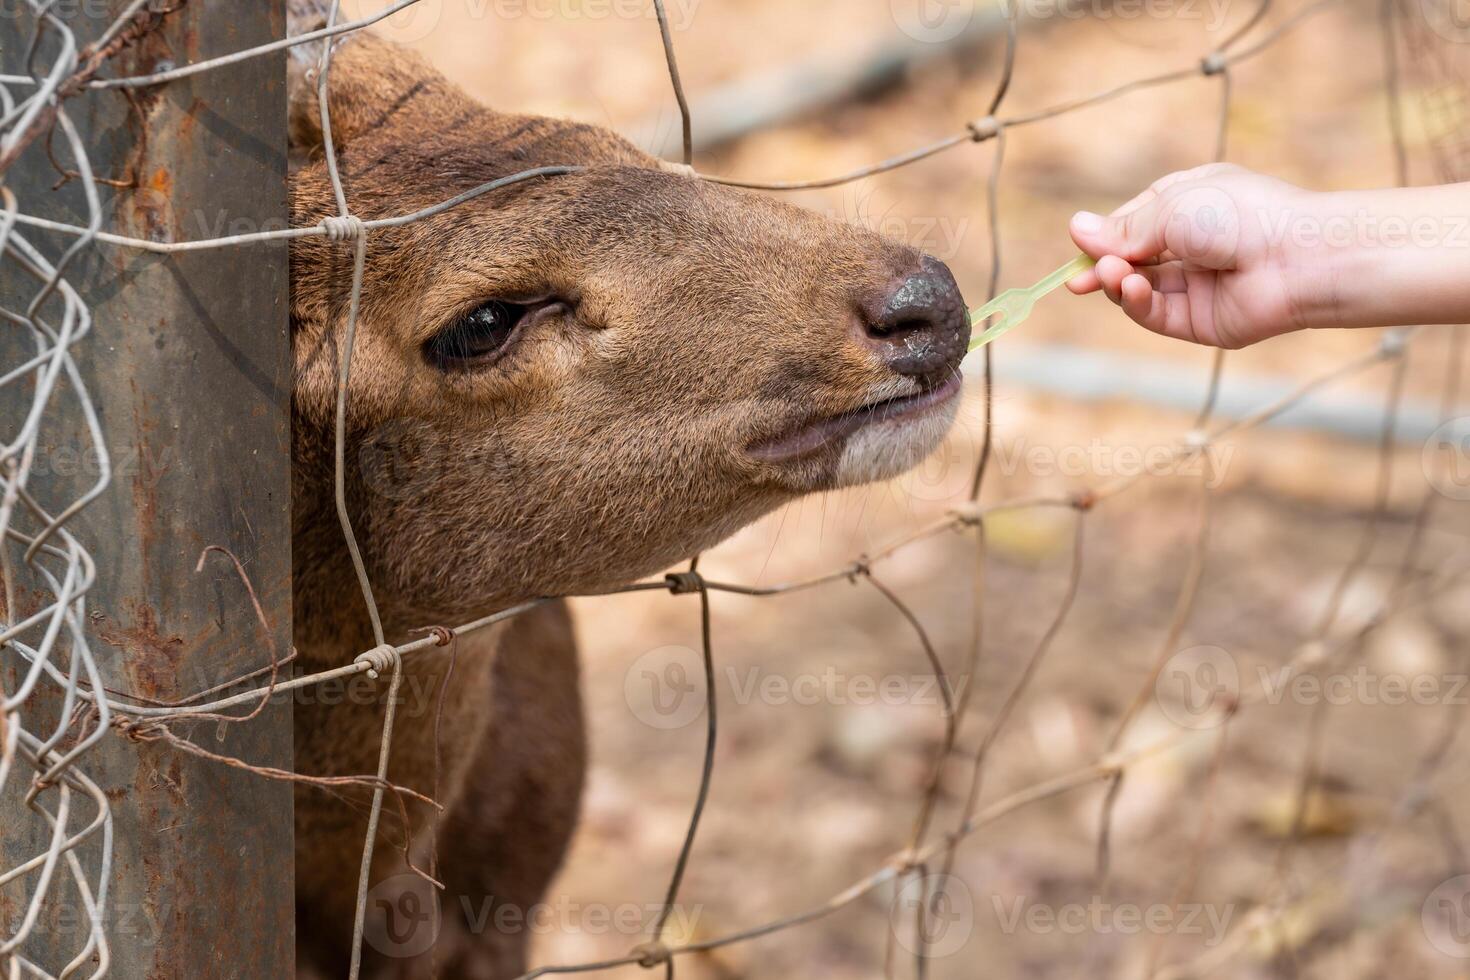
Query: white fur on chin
{"type": "Point", "coordinates": [884, 450]}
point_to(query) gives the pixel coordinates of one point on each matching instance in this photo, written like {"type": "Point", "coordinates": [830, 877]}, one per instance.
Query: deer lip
{"type": "Point", "coordinates": [817, 434]}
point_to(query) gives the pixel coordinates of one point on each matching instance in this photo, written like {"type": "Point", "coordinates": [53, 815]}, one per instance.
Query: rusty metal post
{"type": "Point", "coordinates": [189, 364]}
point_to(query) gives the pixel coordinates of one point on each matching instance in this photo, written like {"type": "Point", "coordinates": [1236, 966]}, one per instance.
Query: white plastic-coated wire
{"type": "Point", "coordinates": [45, 771]}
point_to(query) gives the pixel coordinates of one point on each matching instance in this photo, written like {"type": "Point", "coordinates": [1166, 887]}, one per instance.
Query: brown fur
{"type": "Point", "coordinates": [609, 443]}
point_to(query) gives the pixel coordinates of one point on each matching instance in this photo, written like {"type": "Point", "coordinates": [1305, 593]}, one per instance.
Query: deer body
{"type": "Point", "coordinates": [581, 380]}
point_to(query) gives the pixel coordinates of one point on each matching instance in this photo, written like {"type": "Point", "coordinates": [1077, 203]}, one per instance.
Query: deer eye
{"type": "Point", "coordinates": [477, 338]}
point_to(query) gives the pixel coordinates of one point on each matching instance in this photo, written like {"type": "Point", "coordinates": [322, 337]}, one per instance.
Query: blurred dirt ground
{"type": "Point", "coordinates": [820, 767]}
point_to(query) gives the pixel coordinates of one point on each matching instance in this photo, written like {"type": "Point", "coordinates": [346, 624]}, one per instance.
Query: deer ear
{"type": "Point", "coordinates": [370, 81]}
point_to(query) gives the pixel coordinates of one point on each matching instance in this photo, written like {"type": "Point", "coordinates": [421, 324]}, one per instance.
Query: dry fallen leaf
{"type": "Point", "coordinates": [1328, 814]}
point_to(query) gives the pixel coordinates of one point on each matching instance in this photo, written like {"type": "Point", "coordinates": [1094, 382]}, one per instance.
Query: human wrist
{"type": "Point", "coordinates": [1310, 271]}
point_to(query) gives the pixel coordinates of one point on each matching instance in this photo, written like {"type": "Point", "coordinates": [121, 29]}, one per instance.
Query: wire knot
{"type": "Point", "coordinates": [862, 567]}
{"type": "Point", "coordinates": [138, 730]}
{"type": "Point", "coordinates": [379, 660]}
{"type": "Point", "coordinates": [652, 954]}
{"type": "Point", "coordinates": [1213, 63]}
{"type": "Point", "coordinates": [684, 583]}
{"type": "Point", "coordinates": [968, 514]}
{"type": "Point", "coordinates": [984, 128]}
{"type": "Point", "coordinates": [905, 862]}
{"type": "Point", "coordinates": [348, 227]}
{"type": "Point", "coordinates": [443, 635]}
{"type": "Point", "coordinates": [130, 730]}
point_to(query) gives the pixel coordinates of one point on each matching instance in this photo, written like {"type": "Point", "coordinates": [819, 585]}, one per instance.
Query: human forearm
{"type": "Point", "coordinates": [1376, 258]}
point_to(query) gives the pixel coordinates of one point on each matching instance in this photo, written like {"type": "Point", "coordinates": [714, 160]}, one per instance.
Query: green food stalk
{"type": "Point", "coordinates": [1014, 305]}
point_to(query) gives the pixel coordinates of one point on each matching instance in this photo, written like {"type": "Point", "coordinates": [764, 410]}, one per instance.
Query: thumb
{"type": "Point", "coordinates": [1194, 223]}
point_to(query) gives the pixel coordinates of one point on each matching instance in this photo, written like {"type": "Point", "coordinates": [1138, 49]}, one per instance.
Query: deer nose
{"type": "Point", "coordinates": [921, 326]}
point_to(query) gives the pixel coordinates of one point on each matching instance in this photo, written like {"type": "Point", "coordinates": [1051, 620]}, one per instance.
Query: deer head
{"type": "Point", "coordinates": [581, 379]}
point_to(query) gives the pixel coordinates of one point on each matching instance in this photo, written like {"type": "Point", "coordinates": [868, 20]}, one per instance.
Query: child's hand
{"type": "Point", "coordinates": [1222, 256]}
{"type": "Point", "coordinates": [1191, 258]}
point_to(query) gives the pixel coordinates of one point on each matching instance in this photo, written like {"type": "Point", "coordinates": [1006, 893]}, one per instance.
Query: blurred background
{"type": "Point", "coordinates": [829, 717]}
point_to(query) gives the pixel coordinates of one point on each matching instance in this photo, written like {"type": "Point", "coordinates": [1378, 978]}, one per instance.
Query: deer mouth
{"type": "Point", "coordinates": [823, 432]}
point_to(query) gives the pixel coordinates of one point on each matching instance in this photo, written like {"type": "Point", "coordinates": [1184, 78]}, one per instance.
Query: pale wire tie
{"type": "Point", "coordinates": [379, 660]}
{"type": "Point", "coordinates": [984, 128]}
{"type": "Point", "coordinates": [348, 227]}
{"type": "Point", "coordinates": [969, 513]}
{"type": "Point", "coordinates": [652, 954]}
{"type": "Point", "coordinates": [1213, 63]}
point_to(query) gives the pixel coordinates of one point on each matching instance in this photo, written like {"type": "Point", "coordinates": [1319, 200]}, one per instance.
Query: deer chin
{"type": "Point", "coordinates": [878, 440]}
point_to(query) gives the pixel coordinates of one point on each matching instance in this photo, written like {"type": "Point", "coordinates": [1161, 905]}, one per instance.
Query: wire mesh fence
{"type": "Point", "coordinates": [54, 646]}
